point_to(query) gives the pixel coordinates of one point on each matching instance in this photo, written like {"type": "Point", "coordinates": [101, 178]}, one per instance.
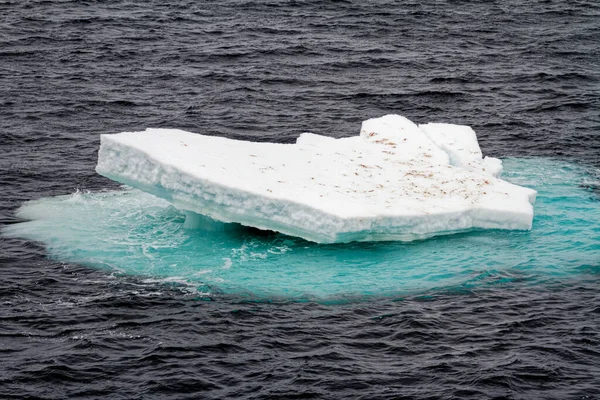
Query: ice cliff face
{"type": "Point", "coordinates": [395, 181]}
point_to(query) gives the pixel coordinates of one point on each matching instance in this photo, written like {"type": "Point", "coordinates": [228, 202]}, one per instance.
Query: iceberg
{"type": "Point", "coordinates": [395, 181]}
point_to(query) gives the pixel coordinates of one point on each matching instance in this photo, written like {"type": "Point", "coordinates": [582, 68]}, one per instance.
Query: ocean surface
{"type": "Point", "coordinates": [89, 308]}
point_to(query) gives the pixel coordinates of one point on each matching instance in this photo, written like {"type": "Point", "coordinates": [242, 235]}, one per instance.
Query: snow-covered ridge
{"type": "Point", "coordinates": [396, 181]}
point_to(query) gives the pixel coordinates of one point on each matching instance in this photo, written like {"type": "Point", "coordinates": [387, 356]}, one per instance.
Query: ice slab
{"type": "Point", "coordinates": [395, 181]}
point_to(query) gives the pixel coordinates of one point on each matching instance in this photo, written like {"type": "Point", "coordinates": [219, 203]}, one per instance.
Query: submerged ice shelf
{"type": "Point", "coordinates": [134, 233]}
{"type": "Point", "coordinates": [395, 181]}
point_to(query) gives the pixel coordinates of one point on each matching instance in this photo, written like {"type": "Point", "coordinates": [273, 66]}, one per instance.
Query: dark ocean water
{"type": "Point", "coordinates": [524, 75]}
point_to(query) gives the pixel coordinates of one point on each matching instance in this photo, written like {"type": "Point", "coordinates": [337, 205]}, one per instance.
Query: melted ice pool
{"type": "Point", "coordinates": [131, 232]}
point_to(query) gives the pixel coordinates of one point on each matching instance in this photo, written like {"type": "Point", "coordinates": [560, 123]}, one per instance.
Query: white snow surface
{"type": "Point", "coordinates": [395, 181]}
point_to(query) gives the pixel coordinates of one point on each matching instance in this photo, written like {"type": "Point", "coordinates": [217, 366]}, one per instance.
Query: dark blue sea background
{"type": "Point", "coordinates": [524, 74]}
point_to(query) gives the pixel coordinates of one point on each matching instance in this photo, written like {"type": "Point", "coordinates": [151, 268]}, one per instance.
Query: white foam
{"type": "Point", "coordinates": [396, 181]}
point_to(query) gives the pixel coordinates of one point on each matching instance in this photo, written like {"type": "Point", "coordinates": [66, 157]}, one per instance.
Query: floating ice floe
{"type": "Point", "coordinates": [395, 181]}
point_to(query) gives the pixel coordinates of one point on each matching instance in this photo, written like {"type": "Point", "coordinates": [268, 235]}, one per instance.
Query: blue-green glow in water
{"type": "Point", "coordinates": [134, 233]}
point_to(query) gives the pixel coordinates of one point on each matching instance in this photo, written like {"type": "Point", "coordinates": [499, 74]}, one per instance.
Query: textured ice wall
{"type": "Point", "coordinates": [395, 181]}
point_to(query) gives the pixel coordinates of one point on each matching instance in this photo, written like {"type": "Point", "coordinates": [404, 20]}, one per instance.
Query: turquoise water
{"type": "Point", "coordinates": [131, 232]}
